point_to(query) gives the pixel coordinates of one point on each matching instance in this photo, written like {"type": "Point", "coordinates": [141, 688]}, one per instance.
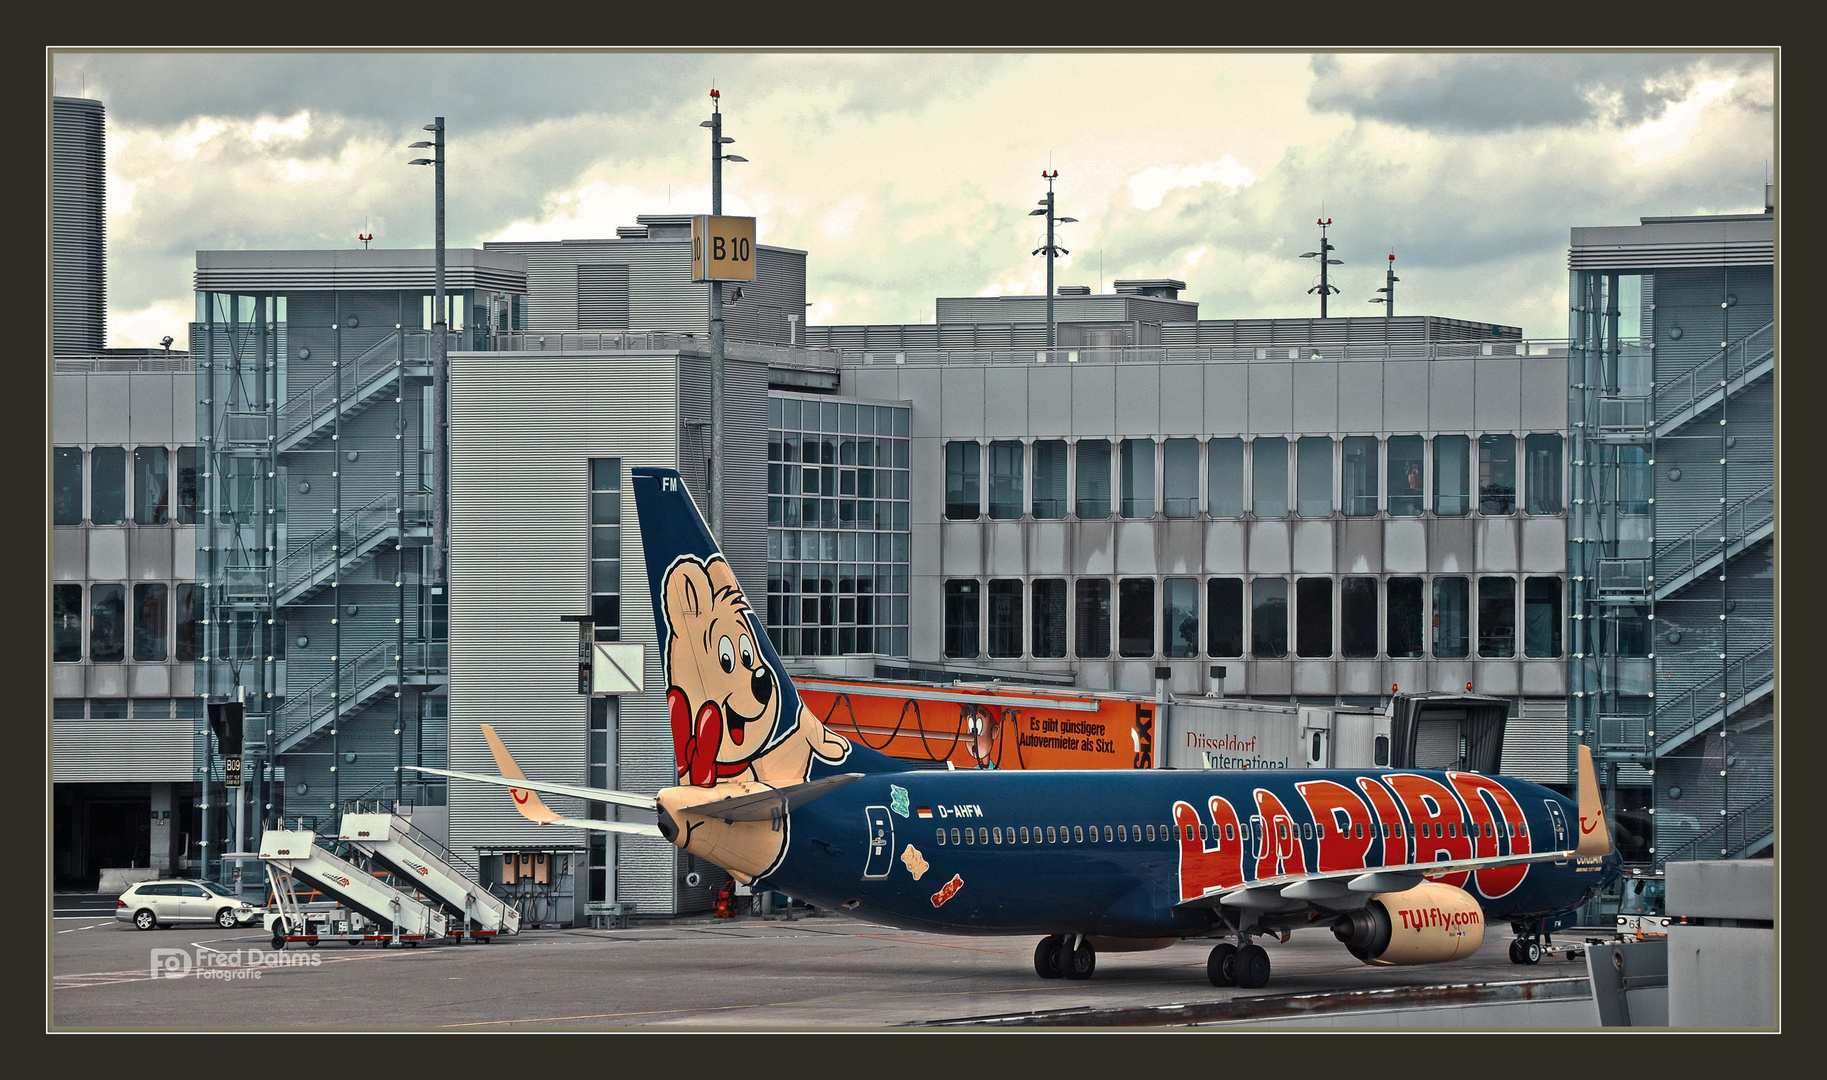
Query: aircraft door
{"type": "Point", "coordinates": [881, 842]}
{"type": "Point", "coordinates": [1558, 822]}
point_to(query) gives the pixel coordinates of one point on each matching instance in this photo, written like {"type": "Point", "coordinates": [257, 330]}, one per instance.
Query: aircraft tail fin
{"type": "Point", "coordinates": [733, 706]}
{"type": "Point", "coordinates": [1595, 832]}
{"type": "Point", "coordinates": [528, 802]}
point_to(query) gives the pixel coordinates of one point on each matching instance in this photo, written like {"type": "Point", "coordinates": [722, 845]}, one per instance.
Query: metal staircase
{"type": "Point", "coordinates": [339, 549]}
{"type": "Point", "coordinates": [379, 671]}
{"type": "Point", "coordinates": [1738, 835]}
{"type": "Point", "coordinates": [1726, 536]}
{"type": "Point", "coordinates": [357, 384]}
{"type": "Point", "coordinates": [1675, 402]}
{"type": "Point", "coordinates": [1744, 681]}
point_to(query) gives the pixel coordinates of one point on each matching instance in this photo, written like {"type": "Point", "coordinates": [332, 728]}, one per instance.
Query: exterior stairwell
{"type": "Point", "coordinates": [318, 562]}
{"type": "Point", "coordinates": [375, 675]}
{"type": "Point", "coordinates": [357, 384]}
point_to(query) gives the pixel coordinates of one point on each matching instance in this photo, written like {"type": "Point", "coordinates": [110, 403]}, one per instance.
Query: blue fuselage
{"type": "Point", "coordinates": [1118, 853]}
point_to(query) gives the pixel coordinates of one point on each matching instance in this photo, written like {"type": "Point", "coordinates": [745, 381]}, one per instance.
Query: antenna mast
{"type": "Point", "coordinates": [1324, 288]}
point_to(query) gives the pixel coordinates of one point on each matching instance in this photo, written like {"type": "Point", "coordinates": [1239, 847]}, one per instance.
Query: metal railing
{"type": "Point", "coordinates": [1710, 375]}
{"type": "Point", "coordinates": [1205, 354]}
{"type": "Point", "coordinates": [1623, 577]}
{"type": "Point", "coordinates": [1624, 413]}
{"type": "Point", "coordinates": [1717, 534]}
{"type": "Point", "coordinates": [1716, 692]}
{"type": "Point", "coordinates": [1735, 833]}
{"type": "Point", "coordinates": [303, 407]}
{"type": "Point", "coordinates": [332, 692]}
{"type": "Point", "coordinates": [124, 365]}
{"type": "Point", "coordinates": [569, 341]}
{"type": "Point", "coordinates": [377, 516]}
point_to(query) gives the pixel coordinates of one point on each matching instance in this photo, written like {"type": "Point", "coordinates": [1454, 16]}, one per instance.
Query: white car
{"type": "Point", "coordinates": [151, 904]}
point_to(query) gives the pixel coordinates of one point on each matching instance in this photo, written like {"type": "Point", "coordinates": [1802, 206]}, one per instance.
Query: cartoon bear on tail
{"type": "Point", "coordinates": [725, 703]}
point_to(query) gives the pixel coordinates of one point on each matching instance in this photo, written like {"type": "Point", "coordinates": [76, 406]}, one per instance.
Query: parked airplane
{"type": "Point", "coordinates": [1403, 866]}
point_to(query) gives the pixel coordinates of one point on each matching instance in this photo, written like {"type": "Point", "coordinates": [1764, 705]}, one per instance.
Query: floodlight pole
{"type": "Point", "coordinates": [440, 338]}
{"type": "Point", "coordinates": [1324, 288]}
{"type": "Point", "coordinates": [716, 330]}
{"type": "Point", "coordinates": [1389, 289]}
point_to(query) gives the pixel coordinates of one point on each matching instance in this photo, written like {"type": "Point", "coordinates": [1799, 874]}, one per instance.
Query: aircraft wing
{"type": "Point", "coordinates": [1349, 888]}
{"type": "Point", "coordinates": [766, 804]}
{"type": "Point", "coordinates": [620, 798]}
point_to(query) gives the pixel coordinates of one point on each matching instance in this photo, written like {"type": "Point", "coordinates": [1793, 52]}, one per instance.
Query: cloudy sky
{"type": "Point", "coordinates": [908, 176]}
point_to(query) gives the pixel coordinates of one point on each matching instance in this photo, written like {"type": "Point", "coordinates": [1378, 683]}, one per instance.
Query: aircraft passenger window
{"type": "Point", "coordinates": [1094, 834]}
{"type": "Point", "coordinates": [941, 840]}
{"type": "Point", "coordinates": [1452, 828]}
{"type": "Point", "coordinates": [1078, 834]}
{"type": "Point", "coordinates": [1281, 829]}
{"type": "Point", "coordinates": [1122, 832]}
{"type": "Point", "coordinates": [983, 836]}
{"type": "Point", "coordinates": [1522, 828]}
{"type": "Point", "coordinates": [1024, 834]}
{"type": "Point", "coordinates": [1151, 832]}
{"type": "Point", "coordinates": [970, 836]}
{"type": "Point", "coordinates": [1050, 836]}
{"type": "Point", "coordinates": [955, 838]}
{"type": "Point", "coordinates": [996, 834]}
{"type": "Point", "coordinates": [1424, 829]}
{"type": "Point", "coordinates": [1229, 832]}
{"type": "Point", "coordinates": [1107, 835]}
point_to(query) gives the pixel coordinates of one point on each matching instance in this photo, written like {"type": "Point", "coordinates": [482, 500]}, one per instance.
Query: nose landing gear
{"type": "Point", "coordinates": [1065, 955]}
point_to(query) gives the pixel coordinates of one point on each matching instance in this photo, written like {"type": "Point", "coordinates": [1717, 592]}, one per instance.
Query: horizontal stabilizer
{"type": "Point", "coordinates": [620, 798]}
{"type": "Point", "coordinates": [764, 805]}
{"type": "Point", "coordinates": [632, 828]}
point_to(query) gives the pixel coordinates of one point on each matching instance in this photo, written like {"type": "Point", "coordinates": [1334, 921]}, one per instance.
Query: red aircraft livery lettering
{"type": "Point", "coordinates": [1474, 817]}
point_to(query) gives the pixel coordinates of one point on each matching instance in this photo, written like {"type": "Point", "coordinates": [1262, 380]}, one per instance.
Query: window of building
{"type": "Point", "coordinates": [1005, 479]}
{"type": "Point", "coordinates": [1137, 466]}
{"type": "Point", "coordinates": [68, 708]}
{"type": "Point", "coordinates": [151, 614]}
{"type": "Point", "coordinates": [66, 485]}
{"type": "Point", "coordinates": [1050, 478]}
{"type": "Point", "coordinates": [1405, 609]}
{"type": "Point", "coordinates": [186, 487]}
{"type": "Point", "coordinates": [108, 485]}
{"type": "Point", "coordinates": [1313, 616]}
{"type": "Point", "coordinates": [1636, 480]}
{"type": "Point", "coordinates": [1269, 477]}
{"type": "Point", "coordinates": [1497, 616]}
{"type": "Point", "coordinates": [1180, 616]}
{"type": "Point", "coordinates": [1452, 618]}
{"type": "Point", "coordinates": [1049, 634]}
{"type": "Point", "coordinates": [66, 623]}
{"type": "Point", "coordinates": [1406, 461]}
{"type": "Point", "coordinates": [151, 485]}
{"type": "Point", "coordinates": [1180, 478]}
{"type": "Point", "coordinates": [1452, 475]}
{"type": "Point", "coordinates": [1542, 468]}
{"type": "Point", "coordinates": [1358, 476]}
{"type": "Point", "coordinates": [107, 624]}
{"type": "Point", "coordinates": [1004, 620]}
{"type": "Point", "coordinates": [1224, 617]}
{"type": "Point", "coordinates": [187, 640]}
{"type": "Point", "coordinates": [1497, 474]}
{"type": "Point", "coordinates": [1224, 478]}
{"type": "Point", "coordinates": [1136, 617]}
{"type": "Point", "coordinates": [606, 548]}
{"type": "Point", "coordinates": [1314, 486]}
{"type": "Point", "coordinates": [1093, 478]}
{"type": "Point", "coordinates": [434, 607]}
{"type": "Point", "coordinates": [113, 709]}
{"type": "Point", "coordinates": [1542, 616]}
{"type": "Point", "coordinates": [1092, 618]}
{"type": "Point", "coordinates": [1624, 630]}
{"type": "Point", "coordinates": [962, 614]}
{"type": "Point", "coordinates": [1269, 617]}
{"type": "Point", "coordinates": [1358, 617]}
{"type": "Point", "coordinates": [963, 461]}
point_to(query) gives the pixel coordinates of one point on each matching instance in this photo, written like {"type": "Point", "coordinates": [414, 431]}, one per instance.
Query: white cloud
{"type": "Point", "coordinates": [1148, 187]}
{"type": "Point", "coordinates": [595, 210]}
{"type": "Point", "coordinates": [1671, 132]}
{"type": "Point", "coordinates": [297, 127]}
{"type": "Point", "coordinates": [143, 329]}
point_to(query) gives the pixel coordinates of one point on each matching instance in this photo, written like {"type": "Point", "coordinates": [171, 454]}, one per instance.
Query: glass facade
{"type": "Point", "coordinates": [838, 536]}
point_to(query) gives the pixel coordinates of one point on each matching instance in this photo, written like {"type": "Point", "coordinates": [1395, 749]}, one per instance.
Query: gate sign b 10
{"type": "Point", "coordinates": [722, 248]}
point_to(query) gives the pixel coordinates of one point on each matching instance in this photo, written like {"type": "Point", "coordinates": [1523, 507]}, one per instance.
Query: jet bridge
{"type": "Point", "coordinates": [406, 917]}
{"type": "Point", "coordinates": [391, 839]}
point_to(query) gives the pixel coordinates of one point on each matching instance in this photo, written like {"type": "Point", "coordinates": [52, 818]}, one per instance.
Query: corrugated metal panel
{"type": "Point", "coordinates": [123, 751]}
{"type": "Point", "coordinates": [1658, 256]}
{"type": "Point", "coordinates": [602, 297]}
{"type": "Point", "coordinates": [518, 562]}
{"type": "Point", "coordinates": [1535, 743]}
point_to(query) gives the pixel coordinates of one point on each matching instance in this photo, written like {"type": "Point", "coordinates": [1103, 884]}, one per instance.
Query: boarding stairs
{"type": "Point", "coordinates": [404, 916]}
{"type": "Point", "coordinates": [390, 839]}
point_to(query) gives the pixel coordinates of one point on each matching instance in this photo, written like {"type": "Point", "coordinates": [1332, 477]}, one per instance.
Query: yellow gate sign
{"type": "Point", "coordinates": [722, 248]}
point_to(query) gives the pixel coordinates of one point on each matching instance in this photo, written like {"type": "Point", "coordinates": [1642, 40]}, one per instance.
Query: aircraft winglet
{"type": "Point", "coordinates": [1595, 834]}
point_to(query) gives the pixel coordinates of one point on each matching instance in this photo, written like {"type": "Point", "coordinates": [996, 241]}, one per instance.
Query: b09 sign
{"type": "Point", "coordinates": [722, 248]}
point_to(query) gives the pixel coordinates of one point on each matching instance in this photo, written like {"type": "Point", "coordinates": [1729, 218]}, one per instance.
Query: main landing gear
{"type": "Point", "coordinates": [1232, 965]}
{"type": "Point", "coordinates": [1064, 955]}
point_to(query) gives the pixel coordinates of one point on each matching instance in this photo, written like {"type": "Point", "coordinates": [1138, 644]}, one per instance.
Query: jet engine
{"type": "Point", "coordinates": [1427, 924]}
